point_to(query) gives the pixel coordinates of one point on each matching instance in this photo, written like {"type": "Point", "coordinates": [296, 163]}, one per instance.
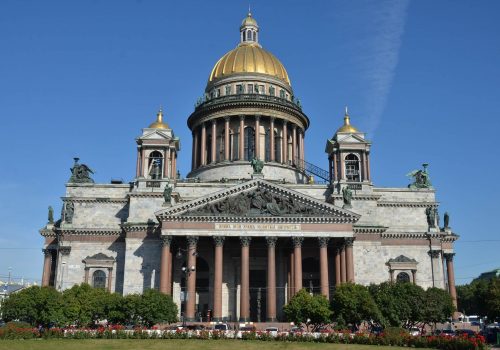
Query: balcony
{"type": "Point", "coordinates": [247, 97]}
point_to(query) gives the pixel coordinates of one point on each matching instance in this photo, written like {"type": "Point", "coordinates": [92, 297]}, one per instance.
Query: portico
{"type": "Point", "coordinates": [255, 241]}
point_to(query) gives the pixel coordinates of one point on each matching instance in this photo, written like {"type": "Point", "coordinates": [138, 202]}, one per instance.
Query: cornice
{"type": "Point", "coordinates": [260, 219]}
{"type": "Point", "coordinates": [90, 232]}
{"type": "Point", "coordinates": [369, 229]}
{"type": "Point", "coordinates": [359, 197]}
{"type": "Point", "coordinates": [94, 200]}
{"type": "Point", "coordinates": [139, 226]}
{"type": "Point", "coordinates": [146, 194]}
{"type": "Point", "coordinates": [407, 204]}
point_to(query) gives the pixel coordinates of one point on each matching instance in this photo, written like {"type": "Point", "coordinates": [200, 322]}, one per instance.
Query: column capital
{"type": "Point", "coordinates": [294, 126]}
{"type": "Point", "coordinates": [227, 118]}
{"type": "Point", "coordinates": [413, 271]}
{"type": "Point", "coordinates": [242, 116]}
{"type": "Point", "coordinates": [65, 250]}
{"type": "Point", "coordinates": [47, 251]}
{"type": "Point", "coordinates": [271, 241]}
{"type": "Point", "coordinates": [192, 241]}
{"type": "Point", "coordinates": [449, 256]}
{"type": "Point", "coordinates": [434, 253]}
{"type": "Point", "coordinates": [323, 241]}
{"type": "Point", "coordinates": [219, 240]}
{"type": "Point", "coordinates": [285, 121]}
{"type": "Point", "coordinates": [349, 241]}
{"type": "Point", "coordinates": [214, 121]}
{"type": "Point", "coordinates": [166, 240]}
{"type": "Point", "coordinates": [257, 117]}
{"type": "Point", "coordinates": [297, 241]}
{"type": "Point", "coordinates": [245, 241]}
{"type": "Point", "coordinates": [272, 119]}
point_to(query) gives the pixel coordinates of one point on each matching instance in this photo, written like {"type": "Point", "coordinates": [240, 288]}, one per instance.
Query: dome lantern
{"type": "Point", "coordinates": [249, 30]}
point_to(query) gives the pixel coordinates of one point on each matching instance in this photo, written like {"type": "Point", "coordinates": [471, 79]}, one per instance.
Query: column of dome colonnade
{"type": "Point", "coordinates": [212, 140]}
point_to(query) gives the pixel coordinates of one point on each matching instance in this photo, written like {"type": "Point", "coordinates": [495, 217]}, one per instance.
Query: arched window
{"type": "Point", "coordinates": [209, 149]}
{"type": "Point", "coordinates": [249, 151]}
{"type": "Point", "coordinates": [352, 168]}
{"type": "Point", "coordinates": [402, 277]}
{"type": "Point", "coordinates": [155, 165]}
{"type": "Point", "coordinates": [99, 279]}
{"type": "Point", "coordinates": [282, 93]}
{"type": "Point", "coordinates": [244, 36]}
{"type": "Point", "coordinates": [249, 35]}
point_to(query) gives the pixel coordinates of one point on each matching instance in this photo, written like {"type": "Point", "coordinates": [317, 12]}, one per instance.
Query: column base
{"type": "Point", "coordinates": [189, 319]}
{"type": "Point", "coordinates": [244, 319]}
{"type": "Point", "coordinates": [271, 319]}
{"type": "Point", "coordinates": [217, 319]}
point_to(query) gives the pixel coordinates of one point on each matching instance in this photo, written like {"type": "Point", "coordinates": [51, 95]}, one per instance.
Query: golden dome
{"type": "Point", "coordinates": [249, 58]}
{"type": "Point", "coordinates": [249, 21]}
{"type": "Point", "coordinates": [347, 127]}
{"type": "Point", "coordinates": [159, 124]}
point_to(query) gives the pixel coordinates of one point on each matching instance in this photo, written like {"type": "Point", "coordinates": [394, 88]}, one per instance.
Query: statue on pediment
{"type": "Point", "coordinates": [167, 193]}
{"type": "Point", "coordinates": [80, 173]}
{"type": "Point", "coordinates": [51, 215]}
{"type": "Point", "coordinates": [69, 211]}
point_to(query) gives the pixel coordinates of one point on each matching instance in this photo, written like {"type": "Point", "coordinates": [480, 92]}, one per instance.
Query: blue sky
{"type": "Point", "coordinates": [82, 78]}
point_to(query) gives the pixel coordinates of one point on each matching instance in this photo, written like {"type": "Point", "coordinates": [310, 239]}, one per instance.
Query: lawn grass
{"type": "Point", "coordinates": [175, 344]}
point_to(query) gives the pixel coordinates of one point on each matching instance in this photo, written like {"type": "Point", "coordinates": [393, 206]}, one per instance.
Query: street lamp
{"type": "Point", "coordinates": [178, 255]}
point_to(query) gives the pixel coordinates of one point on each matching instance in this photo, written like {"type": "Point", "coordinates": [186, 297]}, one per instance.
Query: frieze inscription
{"type": "Point", "coordinates": [257, 227]}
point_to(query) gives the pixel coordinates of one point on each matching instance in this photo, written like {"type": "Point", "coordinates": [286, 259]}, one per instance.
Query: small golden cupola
{"type": "Point", "coordinates": [159, 124]}
{"type": "Point", "coordinates": [347, 127]}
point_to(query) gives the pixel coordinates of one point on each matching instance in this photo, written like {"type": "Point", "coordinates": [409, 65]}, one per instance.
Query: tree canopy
{"type": "Point", "coordinates": [352, 304]}
{"type": "Point", "coordinates": [308, 309]}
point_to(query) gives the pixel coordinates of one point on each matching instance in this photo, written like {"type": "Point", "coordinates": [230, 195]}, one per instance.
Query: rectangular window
{"type": "Point", "coordinates": [217, 93]}
{"type": "Point", "coordinates": [272, 90]}
{"type": "Point", "coordinates": [250, 89]}
{"type": "Point", "coordinates": [282, 93]}
{"type": "Point", "coordinates": [228, 89]}
{"type": "Point", "coordinates": [239, 89]}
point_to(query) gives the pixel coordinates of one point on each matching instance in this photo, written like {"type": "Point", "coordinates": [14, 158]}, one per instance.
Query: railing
{"type": "Point", "coordinates": [248, 97]}
{"type": "Point", "coordinates": [355, 187]}
{"type": "Point", "coordinates": [153, 183]}
{"type": "Point", "coordinates": [312, 169]}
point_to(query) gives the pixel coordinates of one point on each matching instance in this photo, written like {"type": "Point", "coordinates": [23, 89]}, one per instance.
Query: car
{"type": "Point", "coordinates": [445, 332]}
{"type": "Point", "coordinates": [296, 330]}
{"type": "Point", "coordinates": [414, 331]}
{"type": "Point", "coordinates": [468, 332]}
{"type": "Point", "coordinates": [221, 327]}
{"type": "Point", "coordinates": [376, 330]}
{"type": "Point", "coordinates": [272, 331]}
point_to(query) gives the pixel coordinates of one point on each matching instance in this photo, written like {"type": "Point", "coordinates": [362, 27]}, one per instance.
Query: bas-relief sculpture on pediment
{"type": "Point", "coordinates": [258, 202]}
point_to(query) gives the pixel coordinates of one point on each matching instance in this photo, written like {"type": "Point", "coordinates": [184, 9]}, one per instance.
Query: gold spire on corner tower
{"type": "Point", "coordinates": [347, 127]}
{"type": "Point", "coordinates": [159, 124]}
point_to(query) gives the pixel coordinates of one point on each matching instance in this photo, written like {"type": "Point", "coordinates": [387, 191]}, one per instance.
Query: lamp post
{"type": "Point", "coordinates": [10, 271]}
{"type": "Point", "coordinates": [186, 270]}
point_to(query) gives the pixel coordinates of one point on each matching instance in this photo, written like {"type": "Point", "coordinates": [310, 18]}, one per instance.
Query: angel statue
{"type": "Point", "coordinates": [257, 165]}
{"type": "Point", "coordinates": [80, 173]}
{"type": "Point", "coordinates": [420, 178]}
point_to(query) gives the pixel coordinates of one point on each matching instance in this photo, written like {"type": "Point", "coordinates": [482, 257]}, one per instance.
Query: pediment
{"type": "Point", "coordinates": [402, 259]}
{"type": "Point", "coordinates": [350, 138]}
{"type": "Point", "coordinates": [156, 134]}
{"type": "Point", "coordinates": [258, 199]}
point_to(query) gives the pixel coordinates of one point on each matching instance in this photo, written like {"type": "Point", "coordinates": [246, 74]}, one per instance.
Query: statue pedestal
{"type": "Point", "coordinates": [347, 206]}
{"type": "Point", "coordinates": [257, 176]}
{"type": "Point", "coordinates": [166, 204]}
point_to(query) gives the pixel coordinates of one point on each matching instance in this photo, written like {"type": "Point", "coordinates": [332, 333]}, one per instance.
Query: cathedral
{"type": "Point", "coordinates": [253, 222]}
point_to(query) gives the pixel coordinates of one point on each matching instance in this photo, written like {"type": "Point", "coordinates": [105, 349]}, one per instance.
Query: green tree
{"type": "Point", "coordinates": [353, 304]}
{"type": "Point", "coordinates": [307, 309]}
{"type": "Point", "coordinates": [35, 305]}
{"type": "Point", "coordinates": [130, 307]}
{"type": "Point", "coordinates": [399, 303]}
{"type": "Point", "coordinates": [84, 305]}
{"type": "Point", "coordinates": [438, 306]}
{"type": "Point", "coordinates": [155, 307]}
{"type": "Point", "coordinates": [492, 300]}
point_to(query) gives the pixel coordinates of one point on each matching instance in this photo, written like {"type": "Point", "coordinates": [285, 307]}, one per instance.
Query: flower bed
{"type": "Point", "coordinates": [462, 342]}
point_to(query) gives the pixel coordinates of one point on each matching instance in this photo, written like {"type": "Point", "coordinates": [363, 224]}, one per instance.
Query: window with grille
{"type": "Point", "coordinates": [403, 277]}
{"type": "Point", "coordinates": [99, 279]}
{"type": "Point", "coordinates": [352, 168]}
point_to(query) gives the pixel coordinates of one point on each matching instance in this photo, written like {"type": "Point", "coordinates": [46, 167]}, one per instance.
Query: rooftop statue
{"type": "Point", "coordinates": [80, 173]}
{"type": "Point", "coordinates": [167, 193]}
{"type": "Point", "coordinates": [347, 197]}
{"type": "Point", "coordinates": [51, 215]}
{"type": "Point", "coordinates": [420, 178]}
{"type": "Point", "coordinates": [257, 165]}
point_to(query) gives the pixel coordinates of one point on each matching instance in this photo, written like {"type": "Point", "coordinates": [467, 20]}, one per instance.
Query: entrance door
{"type": "Point", "coordinates": [258, 295]}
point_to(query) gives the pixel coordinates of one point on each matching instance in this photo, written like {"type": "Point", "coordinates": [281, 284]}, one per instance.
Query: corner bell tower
{"type": "Point", "coordinates": [157, 149]}
{"type": "Point", "coordinates": [349, 156]}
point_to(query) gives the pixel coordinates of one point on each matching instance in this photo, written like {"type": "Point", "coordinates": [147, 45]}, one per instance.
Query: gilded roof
{"type": "Point", "coordinates": [249, 58]}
